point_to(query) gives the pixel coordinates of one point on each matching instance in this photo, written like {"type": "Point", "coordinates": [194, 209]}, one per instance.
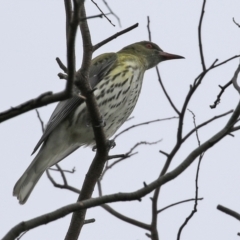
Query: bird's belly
{"type": "Point", "coordinates": [115, 106]}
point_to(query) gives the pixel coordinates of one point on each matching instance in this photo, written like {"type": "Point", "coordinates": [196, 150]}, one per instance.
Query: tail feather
{"type": "Point", "coordinates": [25, 184]}
{"type": "Point", "coordinates": [45, 158]}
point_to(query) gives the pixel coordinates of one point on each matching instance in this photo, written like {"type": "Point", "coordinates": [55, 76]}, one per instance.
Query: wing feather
{"type": "Point", "coordinates": [100, 66]}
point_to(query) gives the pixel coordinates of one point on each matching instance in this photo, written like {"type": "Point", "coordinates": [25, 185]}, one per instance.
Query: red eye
{"type": "Point", "coordinates": [148, 45]}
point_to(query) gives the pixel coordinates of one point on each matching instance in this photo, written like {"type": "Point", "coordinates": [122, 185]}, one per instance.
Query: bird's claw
{"type": "Point", "coordinates": [102, 123]}
{"type": "Point", "coordinates": [110, 144]}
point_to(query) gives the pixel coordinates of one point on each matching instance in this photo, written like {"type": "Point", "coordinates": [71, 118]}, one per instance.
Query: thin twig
{"type": "Point", "coordinates": [195, 126]}
{"type": "Point", "coordinates": [61, 65]}
{"type": "Point", "coordinates": [223, 88]}
{"type": "Point", "coordinates": [229, 212]}
{"type": "Point", "coordinates": [236, 23]}
{"type": "Point", "coordinates": [204, 124]}
{"type": "Point", "coordinates": [148, 28]}
{"type": "Point", "coordinates": [87, 221]}
{"type": "Point", "coordinates": [143, 123]}
{"type": "Point", "coordinates": [98, 45]}
{"type": "Point", "coordinates": [125, 218]}
{"type": "Point", "coordinates": [66, 171]}
{"type": "Point", "coordinates": [200, 36]}
{"type": "Point", "coordinates": [129, 119]}
{"type": "Point", "coordinates": [102, 12]}
{"type": "Point", "coordinates": [95, 16]}
{"type": "Point", "coordinates": [63, 76]}
{"type": "Point", "coordinates": [61, 186]}
{"type": "Point", "coordinates": [225, 61]}
{"type": "Point", "coordinates": [40, 119]}
{"type": "Point", "coordinates": [196, 181]}
{"type": "Point", "coordinates": [165, 92]}
{"type": "Point", "coordinates": [111, 12]}
{"type": "Point", "coordinates": [164, 153]}
{"type": "Point", "coordinates": [62, 174]}
{"type": "Point", "coordinates": [195, 202]}
{"type": "Point", "coordinates": [125, 156]}
{"type": "Point", "coordinates": [121, 156]}
{"type": "Point", "coordinates": [177, 203]}
{"type": "Point", "coordinates": [234, 79]}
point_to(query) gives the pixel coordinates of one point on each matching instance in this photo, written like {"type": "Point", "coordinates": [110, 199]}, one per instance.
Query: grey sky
{"type": "Point", "coordinates": [33, 35]}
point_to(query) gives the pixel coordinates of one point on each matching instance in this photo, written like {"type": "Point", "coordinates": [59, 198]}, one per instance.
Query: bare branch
{"type": "Point", "coordinates": [164, 153]}
{"type": "Point", "coordinates": [177, 203]}
{"type": "Point", "coordinates": [111, 12]}
{"type": "Point", "coordinates": [49, 97]}
{"type": "Point", "coordinates": [234, 79]}
{"type": "Point", "coordinates": [130, 118]}
{"type": "Point", "coordinates": [61, 186]}
{"type": "Point", "coordinates": [236, 23]}
{"type": "Point", "coordinates": [100, 158]}
{"type": "Point", "coordinates": [165, 92]}
{"type": "Point", "coordinates": [95, 16]}
{"type": "Point", "coordinates": [225, 61]}
{"type": "Point", "coordinates": [121, 156]}
{"type": "Point", "coordinates": [205, 123]}
{"type": "Point", "coordinates": [196, 182]}
{"type": "Point", "coordinates": [223, 88]}
{"type": "Point", "coordinates": [229, 212]}
{"type": "Point", "coordinates": [148, 28]}
{"type": "Point", "coordinates": [143, 123]}
{"type": "Point", "coordinates": [68, 13]}
{"type": "Point", "coordinates": [98, 45]}
{"type": "Point", "coordinates": [200, 36]}
{"type": "Point", "coordinates": [92, 220]}
{"type": "Point", "coordinates": [196, 199]}
{"type": "Point", "coordinates": [125, 218]}
{"type": "Point", "coordinates": [61, 65]}
{"type": "Point", "coordinates": [42, 100]}
{"type": "Point", "coordinates": [195, 126]}
{"type": "Point", "coordinates": [62, 174]}
{"type": "Point", "coordinates": [40, 119]}
{"type": "Point", "coordinates": [102, 12]}
{"type": "Point", "coordinates": [125, 156]}
{"type": "Point", "coordinates": [63, 76]}
{"type": "Point", "coordinates": [66, 171]}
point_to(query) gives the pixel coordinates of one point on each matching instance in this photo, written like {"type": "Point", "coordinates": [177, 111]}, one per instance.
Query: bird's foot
{"type": "Point", "coordinates": [102, 123]}
{"type": "Point", "coordinates": [110, 144]}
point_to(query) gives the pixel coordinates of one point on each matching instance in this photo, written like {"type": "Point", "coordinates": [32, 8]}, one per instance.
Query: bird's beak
{"type": "Point", "coordinates": [169, 56]}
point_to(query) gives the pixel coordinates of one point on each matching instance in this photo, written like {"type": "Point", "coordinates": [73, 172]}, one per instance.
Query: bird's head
{"type": "Point", "coordinates": [150, 53]}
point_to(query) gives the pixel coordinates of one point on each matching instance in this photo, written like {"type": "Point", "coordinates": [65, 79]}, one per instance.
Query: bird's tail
{"type": "Point", "coordinates": [46, 157]}
{"type": "Point", "coordinates": [27, 181]}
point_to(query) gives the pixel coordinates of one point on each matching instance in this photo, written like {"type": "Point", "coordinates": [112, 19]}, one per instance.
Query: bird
{"type": "Point", "coordinates": [117, 81]}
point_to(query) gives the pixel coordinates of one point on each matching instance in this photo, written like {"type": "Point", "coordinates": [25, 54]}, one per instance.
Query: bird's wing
{"type": "Point", "coordinates": [99, 68]}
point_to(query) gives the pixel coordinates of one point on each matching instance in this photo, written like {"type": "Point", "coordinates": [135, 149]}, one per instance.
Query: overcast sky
{"type": "Point", "coordinates": [33, 35]}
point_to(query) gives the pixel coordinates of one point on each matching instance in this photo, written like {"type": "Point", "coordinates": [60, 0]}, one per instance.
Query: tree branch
{"type": "Point", "coordinates": [200, 36]}
{"type": "Point", "coordinates": [98, 45]}
{"type": "Point", "coordinates": [46, 218]}
{"type": "Point", "coordinates": [229, 212]}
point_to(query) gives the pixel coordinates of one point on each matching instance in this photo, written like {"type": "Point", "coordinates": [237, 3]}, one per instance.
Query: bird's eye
{"type": "Point", "coordinates": [148, 45]}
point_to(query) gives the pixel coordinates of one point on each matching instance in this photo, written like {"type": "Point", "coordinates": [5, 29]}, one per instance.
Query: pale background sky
{"type": "Point", "coordinates": [33, 35]}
